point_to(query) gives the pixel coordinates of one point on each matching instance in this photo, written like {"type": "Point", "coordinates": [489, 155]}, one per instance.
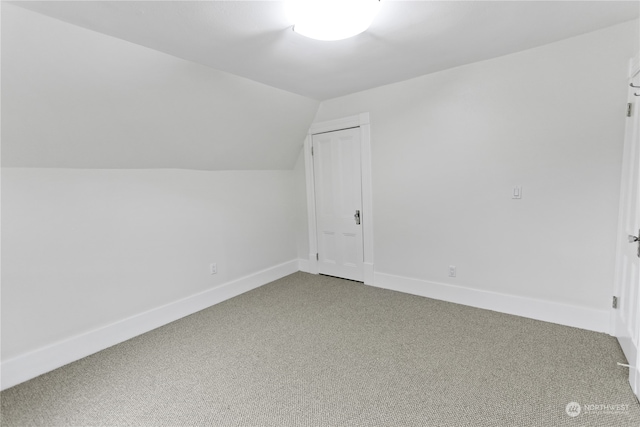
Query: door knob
{"type": "Point", "coordinates": [633, 239]}
{"type": "Point", "coordinates": [357, 217]}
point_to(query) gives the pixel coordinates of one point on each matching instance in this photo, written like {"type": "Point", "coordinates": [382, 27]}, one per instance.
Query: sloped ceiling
{"type": "Point", "coordinates": [74, 98]}
{"type": "Point", "coordinates": [219, 85]}
{"type": "Point", "coordinates": [254, 39]}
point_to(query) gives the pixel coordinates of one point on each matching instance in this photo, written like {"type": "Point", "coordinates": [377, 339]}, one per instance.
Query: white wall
{"type": "Point", "coordinates": [82, 249]}
{"type": "Point", "coordinates": [86, 248]}
{"type": "Point", "coordinates": [75, 98]}
{"type": "Point", "coordinates": [105, 233]}
{"type": "Point", "coordinates": [448, 147]}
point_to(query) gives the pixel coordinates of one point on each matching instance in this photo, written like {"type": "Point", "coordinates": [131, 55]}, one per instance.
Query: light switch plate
{"type": "Point", "coordinates": [517, 192]}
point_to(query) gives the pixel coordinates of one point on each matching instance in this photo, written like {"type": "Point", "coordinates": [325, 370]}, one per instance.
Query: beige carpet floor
{"type": "Point", "coordinates": [319, 351]}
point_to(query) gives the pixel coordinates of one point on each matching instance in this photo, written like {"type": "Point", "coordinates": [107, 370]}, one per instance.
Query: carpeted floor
{"type": "Point", "coordinates": [319, 351]}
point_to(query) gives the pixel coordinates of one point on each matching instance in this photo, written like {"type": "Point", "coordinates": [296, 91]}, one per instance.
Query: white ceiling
{"type": "Point", "coordinates": [253, 39]}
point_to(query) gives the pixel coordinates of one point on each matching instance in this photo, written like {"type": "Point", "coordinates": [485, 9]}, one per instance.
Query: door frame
{"type": "Point", "coordinates": [622, 243]}
{"type": "Point", "coordinates": [361, 121]}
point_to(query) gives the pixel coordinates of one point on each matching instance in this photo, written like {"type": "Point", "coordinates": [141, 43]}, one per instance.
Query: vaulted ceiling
{"type": "Point", "coordinates": [253, 39]}
{"type": "Point", "coordinates": [227, 85]}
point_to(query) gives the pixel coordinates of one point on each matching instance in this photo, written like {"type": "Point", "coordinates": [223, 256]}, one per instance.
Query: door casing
{"type": "Point", "coordinates": [625, 306]}
{"type": "Point", "coordinates": [362, 122]}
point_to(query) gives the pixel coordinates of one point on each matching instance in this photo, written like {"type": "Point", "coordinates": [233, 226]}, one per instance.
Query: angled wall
{"type": "Point", "coordinates": [107, 229]}
{"type": "Point", "coordinates": [76, 98]}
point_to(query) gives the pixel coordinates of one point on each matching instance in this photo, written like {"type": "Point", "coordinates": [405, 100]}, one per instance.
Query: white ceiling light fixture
{"type": "Point", "coordinates": [331, 19]}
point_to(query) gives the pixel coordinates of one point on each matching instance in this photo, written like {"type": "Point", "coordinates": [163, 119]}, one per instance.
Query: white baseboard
{"type": "Point", "coordinates": [548, 311]}
{"type": "Point", "coordinates": [303, 265]}
{"type": "Point", "coordinates": [45, 359]}
{"type": "Point", "coordinates": [369, 274]}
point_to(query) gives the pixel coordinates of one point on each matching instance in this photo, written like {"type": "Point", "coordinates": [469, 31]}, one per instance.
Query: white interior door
{"type": "Point", "coordinates": [338, 190]}
{"type": "Point", "coordinates": [627, 314]}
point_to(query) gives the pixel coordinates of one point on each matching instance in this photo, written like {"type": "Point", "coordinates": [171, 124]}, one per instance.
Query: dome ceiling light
{"type": "Point", "coordinates": [331, 19]}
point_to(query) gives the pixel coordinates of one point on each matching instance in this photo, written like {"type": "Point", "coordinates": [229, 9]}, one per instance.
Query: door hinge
{"type": "Point", "coordinates": [614, 303]}
{"type": "Point", "coordinates": [312, 150]}
{"type": "Point", "coordinates": [630, 109]}
{"type": "Point", "coordinates": [317, 257]}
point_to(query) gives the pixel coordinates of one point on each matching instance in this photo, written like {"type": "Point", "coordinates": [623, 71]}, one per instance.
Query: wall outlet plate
{"type": "Point", "coordinates": [452, 271]}
{"type": "Point", "coordinates": [213, 268]}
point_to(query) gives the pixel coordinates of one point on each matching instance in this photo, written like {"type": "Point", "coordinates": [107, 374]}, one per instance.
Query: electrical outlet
{"type": "Point", "coordinates": [213, 268]}
{"type": "Point", "coordinates": [452, 271]}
